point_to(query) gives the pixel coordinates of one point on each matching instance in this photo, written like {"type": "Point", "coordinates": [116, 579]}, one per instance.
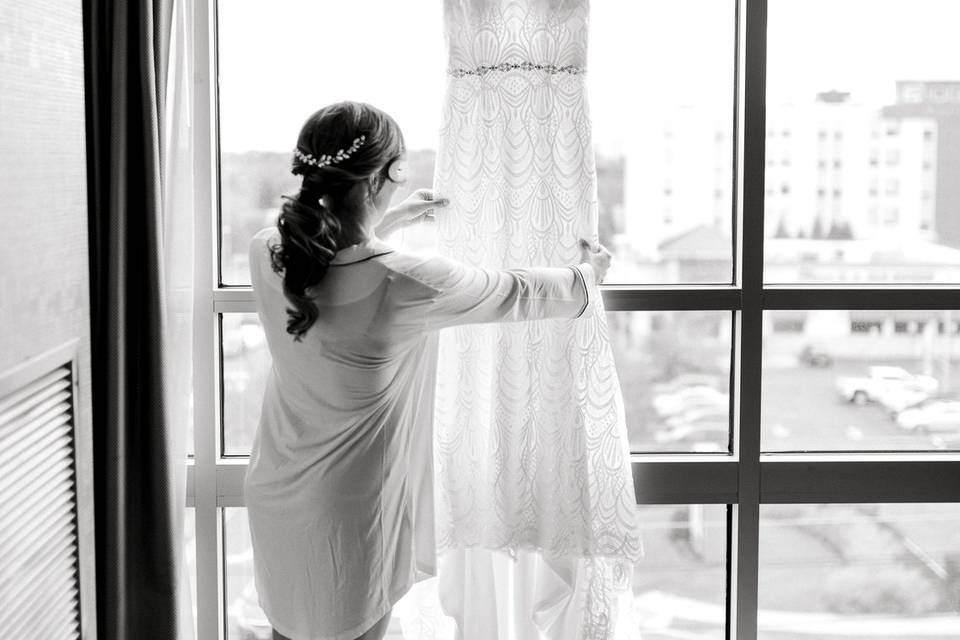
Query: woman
{"type": "Point", "coordinates": [347, 318]}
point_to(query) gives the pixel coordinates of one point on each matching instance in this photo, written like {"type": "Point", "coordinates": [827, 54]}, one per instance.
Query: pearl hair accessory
{"type": "Point", "coordinates": [325, 160]}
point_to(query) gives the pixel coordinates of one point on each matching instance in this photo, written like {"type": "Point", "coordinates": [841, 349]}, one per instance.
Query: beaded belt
{"type": "Point", "coordinates": [513, 66]}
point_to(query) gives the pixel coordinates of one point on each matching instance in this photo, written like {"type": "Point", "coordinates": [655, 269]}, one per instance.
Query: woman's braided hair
{"type": "Point", "coordinates": [328, 210]}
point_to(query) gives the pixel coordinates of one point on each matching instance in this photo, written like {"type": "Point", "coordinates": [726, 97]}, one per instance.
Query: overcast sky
{"type": "Point", "coordinates": [280, 61]}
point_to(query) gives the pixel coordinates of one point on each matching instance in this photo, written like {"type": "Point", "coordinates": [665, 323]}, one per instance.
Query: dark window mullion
{"type": "Point", "coordinates": [865, 297]}
{"type": "Point", "coordinates": [751, 89]}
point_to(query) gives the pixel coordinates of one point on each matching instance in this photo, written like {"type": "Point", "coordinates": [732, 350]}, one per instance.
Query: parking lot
{"type": "Point", "coordinates": [801, 410]}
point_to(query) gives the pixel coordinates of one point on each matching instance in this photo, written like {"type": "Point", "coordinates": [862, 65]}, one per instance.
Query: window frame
{"type": "Point", "coordinates": [743, 479]}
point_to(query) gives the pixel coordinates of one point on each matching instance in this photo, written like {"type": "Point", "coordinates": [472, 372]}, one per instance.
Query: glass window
{"type": "Point", "coordinates": [190, 566]}
{"type": "Point", "coordinates": [679, 586]}
{"type": "Point", "coordinates": [674, 369]}
{"type": "Point", "coordinates": [245, 618]}
{"type": "Point", "coordinates": [245, 366]}
{"type": "Point", "coordinates": [632, 133]}
{"type": "Point", "coordinates": [837, 95]}
{"type": "Point", "coordinates": [832, 571]}
{"type": "Point", "coordinates": [860, 380]}
{"type": "Point", "coordinates": [266, 92]}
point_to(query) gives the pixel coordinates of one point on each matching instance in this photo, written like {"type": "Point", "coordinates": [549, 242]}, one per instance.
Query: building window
{"type": "Point", "coordinates": [788, 325]}
{"type": "Point", "coordinates": [864, 326]}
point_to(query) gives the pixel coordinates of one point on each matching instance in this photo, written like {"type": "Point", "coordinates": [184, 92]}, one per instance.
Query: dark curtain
{"type": "Point", "coordinates": [125, 56]}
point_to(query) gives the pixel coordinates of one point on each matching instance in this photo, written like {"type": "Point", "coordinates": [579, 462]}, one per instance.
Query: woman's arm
{"type": "Point", "coordinates": [418, 207]}
{"type": "Point", "coordinates": [461, 294]}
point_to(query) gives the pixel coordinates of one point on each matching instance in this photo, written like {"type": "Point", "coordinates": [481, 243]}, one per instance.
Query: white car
{"type": "Point", "coordinates": [707, 435]}
{"type": "Point", "coordinates": [896, 399]}
{"type": "Point", "coordinates": [931, 417]}
{"type": "Point", "coordinates": [685, 380]}
{"type": "Point", "coordinates": [695, 415]}
{"type": "Point", "coordinates": [668, 404]}
{"type": "Point", "coordinates": [880, 380]}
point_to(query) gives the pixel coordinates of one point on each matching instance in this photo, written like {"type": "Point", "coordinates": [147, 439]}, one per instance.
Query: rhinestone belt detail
{"type": "Point", "coordinates": [514, 66]}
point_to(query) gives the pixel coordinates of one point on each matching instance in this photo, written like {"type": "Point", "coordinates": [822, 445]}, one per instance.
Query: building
{"type": "Point", "coordinates": [835, 168]}
{"type": "Point", "coordinates": [937, 103]}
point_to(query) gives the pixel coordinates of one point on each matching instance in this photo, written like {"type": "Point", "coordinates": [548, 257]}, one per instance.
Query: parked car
{"type": "Point", "coordinates": [686, 380]}
{"type": "Point", "coordinates": [918, 399]}
{"type": "Point", "coordinates": [881, 379]}
{"type": "Point", "coordinates": [669, 404]}
{"type": "Point", "coordinates": [896, 399]}
{"type": "Point", "coordinates": [815, 356]}
{"type": "Point", "coordinates": [931, 417]}
{"type": "Point", "coordinates": [707, 435]}
{"type": "Point", "coordinates": [947, 440]}
{"type": "Point", "coordinates": [700, 414]}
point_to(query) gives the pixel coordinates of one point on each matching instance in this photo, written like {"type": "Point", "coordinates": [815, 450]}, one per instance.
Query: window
{"type": "Point", "coordinates": [771, 506]}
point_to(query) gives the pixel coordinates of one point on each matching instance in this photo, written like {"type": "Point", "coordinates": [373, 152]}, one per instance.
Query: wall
{"type": "Point", "coordinates": [43, 212]}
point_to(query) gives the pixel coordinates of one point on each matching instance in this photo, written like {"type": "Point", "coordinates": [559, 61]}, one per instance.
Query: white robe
{"type": "Point", "coordinates": [338, 488]}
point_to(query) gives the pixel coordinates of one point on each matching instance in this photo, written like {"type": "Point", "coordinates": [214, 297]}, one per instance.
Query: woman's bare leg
{"type": "Point", "coordinates": [376, 632]}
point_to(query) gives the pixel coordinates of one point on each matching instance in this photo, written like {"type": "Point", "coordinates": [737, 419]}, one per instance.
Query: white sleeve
{"type": "Point", "coordinates": [469, 295]}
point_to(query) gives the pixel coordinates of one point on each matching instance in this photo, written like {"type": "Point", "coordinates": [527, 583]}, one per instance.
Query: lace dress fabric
{"type": "Point", "coordinates": [531, 453]}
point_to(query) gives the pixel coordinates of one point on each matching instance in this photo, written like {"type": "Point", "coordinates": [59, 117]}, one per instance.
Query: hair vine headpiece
{"type": "Point", "coordinates": [325, 160]}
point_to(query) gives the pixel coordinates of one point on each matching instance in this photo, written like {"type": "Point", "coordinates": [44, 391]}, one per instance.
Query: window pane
{"type": "Point", "coordinates": [246, 364]}
{"type": "Point", "coordinates": [266, 92]}
{"type": "Point", "coordinates": [662, 114]}
{"type": "Point", "coordinates": [674, 369]}
{"type": "Point", "coordinates": [861, 380]}
{"type": "Point", "coordinates": [832, 571]}
{"type": "Point", "coordinates": [245, 619]}
{"type": "Point", "coordinates": [679, 585]}
{"type": "Point", "coordinates": [861, 150]}
{"type": "Point", "coordinates": [663, 140]}
{"type": "Point", "coordinates": [190, 555]}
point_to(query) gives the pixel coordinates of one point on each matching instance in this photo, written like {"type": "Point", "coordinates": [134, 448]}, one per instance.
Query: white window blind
{"type": "Point", "coordinates": [38, 525]}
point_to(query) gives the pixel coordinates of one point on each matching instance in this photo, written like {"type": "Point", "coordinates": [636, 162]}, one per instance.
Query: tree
{"type": "Point", "coordinates": [782, 231]}
{"type": "Point", "coordinates": [817, 233]}
{"type": "Point", "coordinates": [840, 231]}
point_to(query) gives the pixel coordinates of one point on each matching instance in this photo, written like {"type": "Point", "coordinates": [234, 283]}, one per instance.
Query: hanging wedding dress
{"type": "Point", "coordinates": [536, 518]}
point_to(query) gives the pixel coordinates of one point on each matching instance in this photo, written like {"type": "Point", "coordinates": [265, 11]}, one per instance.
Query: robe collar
{"type": "Point", "coordinates": [365, 250]}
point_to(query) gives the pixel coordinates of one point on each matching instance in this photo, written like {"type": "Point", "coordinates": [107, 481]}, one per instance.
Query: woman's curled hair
{"type": "Point", "coordinates": [327, 213]}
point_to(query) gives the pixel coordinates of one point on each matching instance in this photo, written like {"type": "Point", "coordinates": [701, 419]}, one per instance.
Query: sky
{"type": "Point", "coordinates": [282, 60]}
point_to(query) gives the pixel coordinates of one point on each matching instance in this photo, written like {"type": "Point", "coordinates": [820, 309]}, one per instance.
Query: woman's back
{"type": "Point", "coordinates": [331, 498]}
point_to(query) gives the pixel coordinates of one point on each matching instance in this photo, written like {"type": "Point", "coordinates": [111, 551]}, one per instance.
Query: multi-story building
{"type": "Point", "coordinates": [835, 168]}
{"type": "Point", "coordinates": [936, 103]}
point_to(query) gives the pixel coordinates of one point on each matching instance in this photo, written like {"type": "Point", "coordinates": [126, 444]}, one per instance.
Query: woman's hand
{"type": "Point", "coordinates": [599, 259]}
{"type": "Point", "coordinates": [418, 207]}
